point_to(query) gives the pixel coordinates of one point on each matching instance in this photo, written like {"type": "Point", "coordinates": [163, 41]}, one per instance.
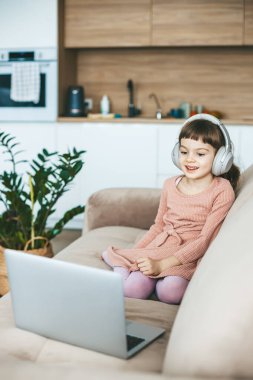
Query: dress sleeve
{"type": "Point", "coordinates": [157, 227]}
{"type": "Point", "coordinates": [196, 249]}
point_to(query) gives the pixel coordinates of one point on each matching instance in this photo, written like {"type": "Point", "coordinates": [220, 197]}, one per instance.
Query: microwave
{"type": "Point", "coordinates": [45, 109]}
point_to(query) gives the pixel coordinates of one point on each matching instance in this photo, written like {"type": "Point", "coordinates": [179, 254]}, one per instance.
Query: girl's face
{"type": "Point", "coordinates": [196, 158]}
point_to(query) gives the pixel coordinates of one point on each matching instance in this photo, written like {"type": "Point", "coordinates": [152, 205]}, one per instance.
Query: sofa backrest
{"type": "Point", "coordinates": [212, 334]}
{"type": "Point", "coordinates": [132, 207]}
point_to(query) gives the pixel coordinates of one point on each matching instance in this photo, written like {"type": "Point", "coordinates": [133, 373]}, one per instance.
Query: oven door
{"type": "Point", "coordinates": [45, 110]}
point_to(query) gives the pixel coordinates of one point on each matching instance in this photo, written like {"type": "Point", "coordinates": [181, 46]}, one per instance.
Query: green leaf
{"type": "Point", "coordinates": [50, 180]}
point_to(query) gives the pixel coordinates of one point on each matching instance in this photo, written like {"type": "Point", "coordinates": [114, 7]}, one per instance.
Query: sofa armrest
{"type": "Point", "coordinates": [131, 207]}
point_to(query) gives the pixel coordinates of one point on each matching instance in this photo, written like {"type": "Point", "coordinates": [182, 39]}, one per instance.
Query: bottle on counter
{"type": "Point", "coordinates": [186, 108]}
{"type": "Point", "coordinates": [105, 105]}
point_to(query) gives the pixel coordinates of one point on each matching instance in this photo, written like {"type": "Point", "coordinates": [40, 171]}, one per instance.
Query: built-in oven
{"type": "Point", "coordinates": [45, 107]}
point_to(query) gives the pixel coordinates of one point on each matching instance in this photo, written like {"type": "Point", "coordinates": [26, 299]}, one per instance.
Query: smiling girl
{"type": "Point", "coordinates": [191, 211]}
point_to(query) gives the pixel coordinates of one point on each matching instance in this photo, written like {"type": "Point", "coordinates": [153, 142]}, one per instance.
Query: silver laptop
{"type": "Point", "coordinates": [75, 304]}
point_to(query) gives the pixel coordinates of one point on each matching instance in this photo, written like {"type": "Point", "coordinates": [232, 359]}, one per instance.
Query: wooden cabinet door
{"type": "Point", "coordinates": [197, 22]}
{"type": "Point", "coordinates": [105, 23]}
{"type": "Point", "coordinates": [248, 26]}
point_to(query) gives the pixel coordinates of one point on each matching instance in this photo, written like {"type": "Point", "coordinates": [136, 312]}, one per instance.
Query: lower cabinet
{"type": "Point", "coordinates": [245, 146]}
{"type": "Point", "coordinates": [117, 155]}
{"type": "Point", "coordinates": [167, 138]}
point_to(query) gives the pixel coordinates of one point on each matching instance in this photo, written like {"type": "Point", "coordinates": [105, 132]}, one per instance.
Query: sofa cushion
{"type": "Point", "coordinates": [212, 334]}
{"type": "Point", "coordinates": [88, 248]}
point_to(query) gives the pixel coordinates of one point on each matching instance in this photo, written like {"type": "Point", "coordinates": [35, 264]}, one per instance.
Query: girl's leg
{"type": "Point", "coordinates": [137, 285]}
{"type": "Point", "coordinates": [171, 289]}
{"type": "Point", "coordinates": [124, 272]}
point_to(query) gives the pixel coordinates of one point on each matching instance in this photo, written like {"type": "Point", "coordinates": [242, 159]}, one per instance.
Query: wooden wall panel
{"type": "Point", "coordinates": [248, 32]}
{"type": "Point", "coordinates": [219, 78]}
{"type": "Point", "coordinates": [197, 22]}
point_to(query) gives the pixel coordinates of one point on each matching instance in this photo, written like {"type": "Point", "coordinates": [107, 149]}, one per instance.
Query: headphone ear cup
{"type": "Point", "coordinates": [222, 162]}
{"type": "Point", "coordinates": [175, 155]}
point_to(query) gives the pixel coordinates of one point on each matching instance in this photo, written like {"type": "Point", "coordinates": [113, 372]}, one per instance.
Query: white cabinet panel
{"type": "Point", "coordinates": [32, 137]}
{"type": "Point", "coordinates": [234, 133]}
{"type": "Point", "coordinates": [119, 155]}
{"type": "Point", "coordinates": [167, 138]}
{"type": "Point", "coordinates": [28, 23]}
{"type": "Point", "coordinates": [246, 144]}
{"type": "Point", "coordinates": [69, 136]}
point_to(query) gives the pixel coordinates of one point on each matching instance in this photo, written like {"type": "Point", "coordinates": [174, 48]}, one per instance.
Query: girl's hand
{"type": "Point", "coordinates": [148, 266]}
{"type": "Point", "coordinates": [151, 267]}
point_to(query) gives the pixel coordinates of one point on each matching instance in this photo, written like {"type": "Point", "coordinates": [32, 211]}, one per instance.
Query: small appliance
{"type": "Point", "coordinates": [75, 101]}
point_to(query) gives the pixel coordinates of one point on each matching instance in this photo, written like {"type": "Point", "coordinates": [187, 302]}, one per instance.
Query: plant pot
{"type": "Point", "coordinates": [45, 251]}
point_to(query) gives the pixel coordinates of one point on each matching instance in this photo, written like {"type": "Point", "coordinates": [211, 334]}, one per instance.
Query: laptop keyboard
{"type": "Point", "coordinates": [133, 341]}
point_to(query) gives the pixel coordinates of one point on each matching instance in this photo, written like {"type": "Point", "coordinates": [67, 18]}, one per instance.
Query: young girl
{"type": "Point", "coordinates": [191, 211]}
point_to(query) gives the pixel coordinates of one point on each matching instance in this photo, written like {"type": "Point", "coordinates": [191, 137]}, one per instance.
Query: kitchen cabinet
{"type": "Point", "coordinates": [197, 22]}
{"type": "Point", "coordinates": [248, 27]}
{"type": "Point", "coordinates": [105, 23]}
{"type": "Point", "coordinates": [32, 138]}
{"type": "Point", "coordinates": [245, 147]}
{"type": "Point", "coordinates": [28, 24]}
{"type": "Point", "coordinates": [235, 133]}
{"type": "Point", "coordinates": [102, 23]}
{"type": "Point", "coordinates": [69, 136]}
{"type": "Point", "coordinates": [167, 138]}
{"type": "Point", "coordinates": [117, 155]}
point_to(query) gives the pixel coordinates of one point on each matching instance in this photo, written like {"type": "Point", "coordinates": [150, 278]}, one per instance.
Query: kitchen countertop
{"type": "Point", "coordinates": [136, 120]}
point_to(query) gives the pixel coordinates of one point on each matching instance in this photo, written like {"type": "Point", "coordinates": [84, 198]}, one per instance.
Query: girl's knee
{"type": "Point", "coordinates": [138, 285]}
{"type": "Point", "coordinates": [171, 289]}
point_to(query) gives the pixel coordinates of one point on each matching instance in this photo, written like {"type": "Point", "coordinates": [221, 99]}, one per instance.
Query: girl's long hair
{"type": "Point", "coordinates": [210, 133]}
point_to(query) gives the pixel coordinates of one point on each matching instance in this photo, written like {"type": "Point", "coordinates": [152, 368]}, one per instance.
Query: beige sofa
{"type": "Point", "coordinates": [210, 335]}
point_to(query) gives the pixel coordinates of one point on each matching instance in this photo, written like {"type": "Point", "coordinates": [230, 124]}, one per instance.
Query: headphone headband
{"type": "Point", "coordinates": [214, 120]}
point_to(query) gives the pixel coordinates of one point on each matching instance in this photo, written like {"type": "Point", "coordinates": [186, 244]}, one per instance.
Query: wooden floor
{"type": "Point", "coordinates": [66, 237]}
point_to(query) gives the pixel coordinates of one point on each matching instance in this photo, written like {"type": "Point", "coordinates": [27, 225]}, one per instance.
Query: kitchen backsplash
{"type": "Point", "coordinates": [221, 79]}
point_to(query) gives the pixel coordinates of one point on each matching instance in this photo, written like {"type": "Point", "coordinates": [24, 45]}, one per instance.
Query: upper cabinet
{"type": "Point", "coordinates": [248, 31]}
{"type": "Point", "coordinates": [28, 24]}
{"type": "Point", "coordinates": [120, 23]}
{"type": "Point", "coordinates": [197, 22]}
{"type": "Point", "coordinates": [107, 23]}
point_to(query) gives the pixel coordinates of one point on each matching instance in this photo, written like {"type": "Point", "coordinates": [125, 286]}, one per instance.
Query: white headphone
{"type": "Point", "coordinates": [223, 159]}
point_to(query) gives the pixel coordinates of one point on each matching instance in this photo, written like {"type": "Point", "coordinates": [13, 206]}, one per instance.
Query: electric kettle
{"type": "Point", "coordinates": [75, 101]}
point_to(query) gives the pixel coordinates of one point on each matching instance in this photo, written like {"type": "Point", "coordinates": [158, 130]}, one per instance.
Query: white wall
{"type": "Point", "coordinates": [28, 23]}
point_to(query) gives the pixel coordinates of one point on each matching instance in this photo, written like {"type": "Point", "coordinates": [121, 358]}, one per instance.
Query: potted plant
{"type": "Point", "coordinates": [28, 199]}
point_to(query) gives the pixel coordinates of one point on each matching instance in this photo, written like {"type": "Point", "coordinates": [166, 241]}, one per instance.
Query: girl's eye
{"type": "Point", "coordinates": [201, 154]}
{"type": "Point", "coordinates": [183, 152]}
